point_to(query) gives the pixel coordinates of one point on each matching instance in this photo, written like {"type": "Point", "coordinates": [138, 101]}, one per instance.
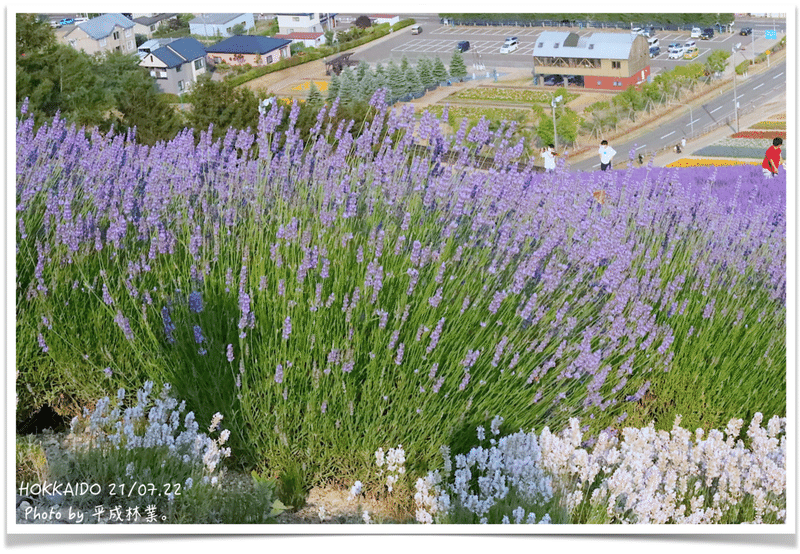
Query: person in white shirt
{"type": "Point", "coordinates": [549, 155]}
{"type": "Point", "coordinates": [606, 153]}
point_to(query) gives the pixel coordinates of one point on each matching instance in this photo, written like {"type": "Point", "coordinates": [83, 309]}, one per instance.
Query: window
{"type": "Point", "coordinates": [295, 19]}
{"type": "Point", "coordinates": [178, 69]}
{"type": "Point", "coordinates": [130, 45]}
{"type": "Point", "coordinates": [102, 42]}
{"type": "Point", "coordinates": [127, 32]}
{"type": "Point", "coordinates": [269, 59]}
{"type": "Point", "coordinates": [599, 83]}
{"type": "Point", "coordinates": [198, 63]}
{"type": "Point", "coordinates": [591, 47]}
{"type": "Point", "coordinates": [180, 86]}
{"type": "Point", "coordinates": [152, 28]}
{"type": "Point", "coordinates": [541, 44]}
{"type": "Point", "coordinates": [116, 35]}
{"type": "Point", "coordinates": [228, 30]}
{"type": "Point", "coordinates": [616, 65]}
{"type": "Point", "coordinates": [312, 16]}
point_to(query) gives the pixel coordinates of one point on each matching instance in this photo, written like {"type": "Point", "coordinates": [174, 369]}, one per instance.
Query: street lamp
{"type": "Point", "coordinates": [735, 96]}
{"type": "Point", "coordinates": [553, 103]}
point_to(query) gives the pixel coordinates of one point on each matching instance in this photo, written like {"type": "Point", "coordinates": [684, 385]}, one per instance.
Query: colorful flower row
{"type": "Point", "coordinates": [510, 95]}
{"type": "Point", "coordinates": [321, 85]}
{"type": "Point", "coordinates": [762, 143]}
{"type": "Point", "coordinates": [727, 151]}
{"type": "Point", "coordinates": [769, 125]}
{"type": "Point", "coordinates": [766, 135]}
{"type": "Point", "coordinates": [705, 162]}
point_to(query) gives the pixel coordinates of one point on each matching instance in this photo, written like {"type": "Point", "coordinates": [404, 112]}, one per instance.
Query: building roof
{"type": "Point", "coordinates": [384, 15]}
{"type": "Point", "coordinates": [214, 18]}
{"type": "Point", "coordinates": [613, 46]}
{"type": "Point", "coordinates": [180, 51]}
{"type": "Point", "coordinates": [147, 21]}
{"type": "Point", "coordinates": [102, 26]}
{"type": "Point", "coordinates": [248, 44]}
{"type": "Point", "coordinates": [153, 44]}
{"type": "Point", "coordinates": [300, 36]}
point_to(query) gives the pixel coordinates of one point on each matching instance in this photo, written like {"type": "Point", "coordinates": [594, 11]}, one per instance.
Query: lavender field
{"type": "Point", "coordinates": [356, 292]}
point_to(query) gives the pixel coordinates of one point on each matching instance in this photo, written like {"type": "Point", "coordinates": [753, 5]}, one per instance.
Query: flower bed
{"type": "Point", "coordinates": [321, 85]}
{"type": "Point", "coordinates": [762, 135]}
{"type": "Point", "coordinates": [706, 162]}
{"type": "Point", "coordinates": [769, 125]}
{"type": "Point", "coordinates": [511, 95]}
{"type": "Point", "coordinates": [474, 113]}
{"type": "Point", "coordinates": [724, 151]}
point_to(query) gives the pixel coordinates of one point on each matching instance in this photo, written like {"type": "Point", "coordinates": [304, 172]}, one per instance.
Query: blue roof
{"type": "Point", "coordinates": [102, 26]}
{"type": "Point", "coordinates": [180, 51]}
{"type": "Point", "coordinates": [248, 44]}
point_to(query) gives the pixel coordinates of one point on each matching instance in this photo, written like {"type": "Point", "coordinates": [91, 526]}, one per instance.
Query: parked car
{"type": "Point", "coordinates": [655, 51]}
{"type": "Point", "coordinates": [416, 29]}
{"type": "Point", "coordinates": [551, 80]}
{"type": "Point", "coordinates": [653, 42]}
{"type": "Point", "coordinates": [463, 46]}
{"type": "Point", "coordinates": [509, 45]}
{"type": "Point", "coordinates": [707, 34]}
{"type": "Point", "coordinates": [637, 31]}
{"type": "Point", "coordinates": [691, 53]}
{"type": "Point", "coordinates": [690, 44]}
{"type": "Point", "coordinates": [746, 31]}
{"type": "Point", "coordinates": [696, 32]}
{"type": "Point", "coordinates": [67, 21]}
{"type": "Point", "coordinates": [576, 80]}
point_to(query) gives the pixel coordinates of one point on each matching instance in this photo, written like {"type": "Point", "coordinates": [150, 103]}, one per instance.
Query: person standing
{"type": "Point", "coordinates": [549, 155]}
{"type": "Point", "coordinates": [606, 154]}
{"type": "Point", "coordinates": [772, 159]}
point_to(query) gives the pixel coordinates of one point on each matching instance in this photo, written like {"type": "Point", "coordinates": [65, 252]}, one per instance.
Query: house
{"type": "Point", "coordinates": [148, 24]}
{"type": "Point", "coordinates": [152, 44]}
{"type": "Point", "coordinates": [309, 40]}
{"type": "Point", "coordinates": [249, 49]}
{"type": "Point", "coordinates": [110, 32]}
{"type": "Point", "coordinates": [289, 23]}
{"type": "Point", "coordinates": [385, 18]}
{"type": "Point", "coordinates": [220, 24]}
{"type": "Point", "coordinates": [605, 61]}
{"type": "Point", "coordinates": [177, 65]}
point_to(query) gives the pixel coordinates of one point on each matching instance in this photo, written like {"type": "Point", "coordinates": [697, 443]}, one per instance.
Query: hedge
{"type": "Point", "coordinates": [304, 57]}
{"type": "Point", "coordinates": [742, 67]}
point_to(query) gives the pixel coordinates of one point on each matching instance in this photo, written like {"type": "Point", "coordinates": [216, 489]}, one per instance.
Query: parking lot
{"type": "Point", "coordinates": [437, 40]}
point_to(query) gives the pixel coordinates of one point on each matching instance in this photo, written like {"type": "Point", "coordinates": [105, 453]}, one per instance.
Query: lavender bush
{"type": "Point", "coordinates": [341, 294]}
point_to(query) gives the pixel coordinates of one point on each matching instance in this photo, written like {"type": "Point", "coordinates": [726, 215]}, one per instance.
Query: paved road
{"type": "Point", "coordinates": [751, 92]}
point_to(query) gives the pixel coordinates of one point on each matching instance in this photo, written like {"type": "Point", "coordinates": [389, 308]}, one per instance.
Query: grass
{"type": "Point", "coordinates": [513, 95]}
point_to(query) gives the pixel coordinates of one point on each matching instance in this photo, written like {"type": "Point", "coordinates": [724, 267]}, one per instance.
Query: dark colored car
{"type": "Point", "coordinates": [463, 46]}
{"type": "Point", "coordinates": [655, 51]}
{"type": "Point", "coordinates": [552, 80]}
{"type": "Point", "coordinates": [707, 34]}
{"type": "Point", "coordinates": [746, 31]}
{"type": "Point", "coordinates": [576, 80]}
{"type": "Point", "coordinates": [67, 21]}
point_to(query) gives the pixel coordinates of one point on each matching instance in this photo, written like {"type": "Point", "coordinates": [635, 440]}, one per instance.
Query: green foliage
{"type": "Point", "coordinates": [458, 68]}
{"type": "Point", "coordinates": [223, 105]}
{"type": "Point", "coordinates": [294, 484]}
{"type": "Point", "coordinates": [439, 70]}
{"type": "Point", "coordinates": [701, 19]}
{"type": "Point", "coordinates": [742, 67]}
{"type": "Point", "coordinates": [404, 64]}
{"type": "Point", "coordinates": [396, 80]}
{"type": "Point", "coordinates": [717, 60]}
{"type": "Point", "coordinates": [33, 35]}
{"type": "Point", "coordinates": [31, 462]}
{"type": "Point", "coordinates": [314, 96]}
{"type": "Point", "coordinates": [402, 24]}
{"type": "Point", "coordinates": [412, 81]}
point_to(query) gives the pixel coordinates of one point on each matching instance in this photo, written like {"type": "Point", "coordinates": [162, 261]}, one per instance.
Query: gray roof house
{"type": "Point", "coordinates": [607, 61]}
{"type": "Point", "coordinates": [110, 32]}
{"type": "Point", "coordinates": [147, 25]}
{"type": "Point", "coordinates": [177, 65]}
{"type": "Point", "coordinates": [220, 24]}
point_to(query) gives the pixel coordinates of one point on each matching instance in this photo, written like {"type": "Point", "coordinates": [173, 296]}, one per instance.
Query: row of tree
{"type": "Point", "coordinates": [398, 79]}
{"type": "Point", "coordinates": [625, 18]}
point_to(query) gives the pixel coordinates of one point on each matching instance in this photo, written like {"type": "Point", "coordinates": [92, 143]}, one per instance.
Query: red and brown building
{"type": "Point", "coordinates": [605, 61]}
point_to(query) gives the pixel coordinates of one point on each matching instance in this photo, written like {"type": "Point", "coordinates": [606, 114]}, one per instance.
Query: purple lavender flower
{"type": "Point", "coordinates": [230, 352]}
{"type": "Point", "coordinates": [169, 327]}
{"type": "Point", "coordinates": [106, 296]}
{"type": "Point", "coordinates": [287, 328]}
{"type": "Point", "coordinates": [124, 324]}
{"type": "Point", "coordinates": [198, 335]}
{"type": "Point", "coordinates": [42, 344]}
{"type": "Point", "coordinates": [279, 374]}
{"type": "Point", "coordinates": [195, 302]}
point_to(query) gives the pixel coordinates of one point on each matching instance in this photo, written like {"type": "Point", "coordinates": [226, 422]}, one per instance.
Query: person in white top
{"type": "Point", "coordinates": [549, 155]}
{"type": "Point", "coordinates": [606, 153]}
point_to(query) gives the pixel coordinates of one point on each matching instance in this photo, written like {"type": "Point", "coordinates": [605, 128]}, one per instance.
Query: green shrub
{"type": "Point", "coordinates": [402, 24]}
{"type": "Point", "coordinates": [742, 67]}
{"type": "Point", "coordinates": [31, 462]}
{"type": "Point", "coordinates": [170, 98]}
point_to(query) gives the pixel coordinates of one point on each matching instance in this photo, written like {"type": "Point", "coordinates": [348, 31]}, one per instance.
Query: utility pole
{"type": "Point", "coordinates": [735, 96]}
{"type": "Point", "coordinates": [555, 100]}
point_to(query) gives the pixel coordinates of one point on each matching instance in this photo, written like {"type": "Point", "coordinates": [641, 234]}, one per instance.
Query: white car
{"type": "Point", "coordinates": [637, 31]}
{"type": "Point", "coordinates": [696, 32]}
{"type": "Point", "coordinates": [675, 54]}
{"type": "Point", "coordinates": [509, 45]}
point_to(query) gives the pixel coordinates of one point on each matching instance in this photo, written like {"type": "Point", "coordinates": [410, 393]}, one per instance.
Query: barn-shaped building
{"type": "Point", "coordinates": [604, 61]}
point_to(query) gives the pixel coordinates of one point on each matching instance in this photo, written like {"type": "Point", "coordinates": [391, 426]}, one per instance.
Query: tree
{"type": "Point", "coordinates": [329, 36]}
{"type": "Point", "coordinates": [238, 29]}
{"type": "Point", "coordinates": [33, 35]}
{"type": "Point", "coordinates": [717, 60]}
{"type": "Point", "coordinates": [333, 87]}
{"type": "Point", "coordinates": [396, 80]}
{"type": "Point", "coordinates": [363, 22]}
{"type": "Point", "coordinates": [413, 83]}
{"type": "Point", "coordinates": [458, 68]}
{"type": "Point", "coordinates": [222, 105]}
{"type": "Point", "coordinates": [349, 90]}
{"type": "Point", "coordinates": [314, 96]}
{"type": "Point", "coordinates": [439, 70]}
{"type": "Point", "coordinates": [362, 70]}
{"type": "Point", "coordinates": [425, 71]}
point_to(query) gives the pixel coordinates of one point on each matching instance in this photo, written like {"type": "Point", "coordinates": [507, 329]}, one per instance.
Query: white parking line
{"type": "Point", "coordinates": [668, 134]}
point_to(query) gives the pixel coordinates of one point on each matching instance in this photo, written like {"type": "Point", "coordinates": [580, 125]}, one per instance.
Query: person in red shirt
{"type": "Point", "coordinates": [772, 159]}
